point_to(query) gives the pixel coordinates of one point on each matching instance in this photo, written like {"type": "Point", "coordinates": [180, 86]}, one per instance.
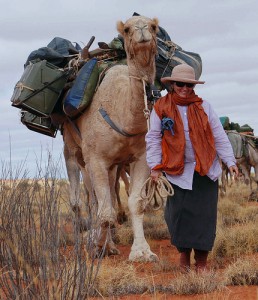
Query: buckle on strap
{"type": "Point", "coordinates": [153, 94]}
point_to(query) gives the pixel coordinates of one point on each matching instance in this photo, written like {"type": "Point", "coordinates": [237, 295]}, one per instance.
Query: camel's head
{"type": "Point", "coordinates": [139, 33]}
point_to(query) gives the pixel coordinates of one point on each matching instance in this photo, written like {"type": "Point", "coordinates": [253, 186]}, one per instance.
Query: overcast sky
{"type": "Point", "coordinates": [223, 32]}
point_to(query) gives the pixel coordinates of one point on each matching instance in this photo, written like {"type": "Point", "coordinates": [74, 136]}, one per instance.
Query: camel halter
{"type": "Point", "coordinates": [144, 80]}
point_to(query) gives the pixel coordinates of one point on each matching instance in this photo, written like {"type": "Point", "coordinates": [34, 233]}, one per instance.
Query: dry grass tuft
{"type": "Point", "coordinates": [238, 193]}
{"type": "Point", "coordinates": [164, 265]}
{"type": "Point", "coordinates": [121, 278]}
{"type": "Point", "coordinates": [124, 234]}
{"type": "Point", "coordinates": [234, 242]}
{"type": "Point", "coordinates": [242, 272]}
{"type": "Point", "coordinates": [193, 283]}
{"type": "Point", "coordinates": [230, 213]}
{"type": "Point", "coordinates": [155, 227]}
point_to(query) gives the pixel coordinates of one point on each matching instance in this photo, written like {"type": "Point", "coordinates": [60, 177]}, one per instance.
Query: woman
{"type": "Point", "coordinates": [185, 142]}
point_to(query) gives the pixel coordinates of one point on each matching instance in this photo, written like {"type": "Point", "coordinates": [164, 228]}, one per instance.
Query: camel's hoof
{"type": "Point", "coordinates": [113, 251]}
{"type": "Point", "coordinates": [82, 224]}
{"type": "Point", "coordinates": [222, 194]}
{"type": "Point", "coordinates": [122, 218]}
{"type": "Point", "coordinates": [253, 196]}
{"type": "Point", "coordinates": [143, 256]}
{"type": "Point", "coordinates": [100, 251]}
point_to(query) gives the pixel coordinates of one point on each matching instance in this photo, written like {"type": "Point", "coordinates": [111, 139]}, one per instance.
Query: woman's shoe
{"type": "Point", "coordinates": [200, 257]}
{"type": "Point", "coordinates": [185, 260]}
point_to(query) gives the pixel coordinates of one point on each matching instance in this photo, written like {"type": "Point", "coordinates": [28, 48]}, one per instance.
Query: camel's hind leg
{"type": "Point", "coordinates": [73, 167]}
{"type": "Point", "coordinates": [73, 172]}
{"type": "Point", "coordinates": [103, 183]}
{"type": "Point", "coordinates": [121, 215]}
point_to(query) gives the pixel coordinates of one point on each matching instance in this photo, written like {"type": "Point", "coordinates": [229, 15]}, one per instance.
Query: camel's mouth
{"type": "Point", "coordinates": [144, 41]}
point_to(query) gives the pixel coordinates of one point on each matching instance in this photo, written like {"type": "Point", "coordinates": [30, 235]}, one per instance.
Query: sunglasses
{"type": "Point", "coordinates": [182, 84]}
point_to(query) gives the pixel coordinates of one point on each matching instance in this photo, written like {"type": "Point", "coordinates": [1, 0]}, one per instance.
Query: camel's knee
{"type": "Point", "coordinates": [107, 215]}
{"type": "Point", "coordinates": [247, 181]}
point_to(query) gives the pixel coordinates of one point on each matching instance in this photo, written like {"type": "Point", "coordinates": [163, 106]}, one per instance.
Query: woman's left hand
{"type": "Point", "coordinates": [155, 174]}
{"type": "Point", "coordinates": [233, 171]}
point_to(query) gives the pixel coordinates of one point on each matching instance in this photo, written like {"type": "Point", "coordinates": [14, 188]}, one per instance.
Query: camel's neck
{"type": "Point", "coordinates": [139, 78]}
{"type": "Point", "coordinates": [143, 67]}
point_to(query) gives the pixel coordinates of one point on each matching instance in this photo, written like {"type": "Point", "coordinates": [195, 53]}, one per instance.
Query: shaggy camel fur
{"type": "Point", "coordinates": [101, 148]}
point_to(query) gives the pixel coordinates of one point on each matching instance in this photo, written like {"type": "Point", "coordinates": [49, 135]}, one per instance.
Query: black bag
{"type": "Point", "coordinates": [246, 128]}
{"type": "Point", "coordinates": [57, 52]}
{"type": "Point", "coordinates": [171, 55]}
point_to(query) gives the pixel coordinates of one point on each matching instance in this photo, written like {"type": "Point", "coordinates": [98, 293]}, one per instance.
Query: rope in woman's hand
{"type": "Point", "coordinates": [151, 191]}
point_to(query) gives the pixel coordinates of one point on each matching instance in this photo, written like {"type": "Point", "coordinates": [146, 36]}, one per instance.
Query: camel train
{"type": "Point", "coordinates": [246, 154]}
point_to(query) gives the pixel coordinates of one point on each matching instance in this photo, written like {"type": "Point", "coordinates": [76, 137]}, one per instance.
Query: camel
{"type": "Point", "coordinates": [246, 155]}
{"type": "Point", "coordinates": [251, 157]}
{"type": "Point", "coordinates": [236, 142]}
{"type": "Point", "coordinates": [101, 148]}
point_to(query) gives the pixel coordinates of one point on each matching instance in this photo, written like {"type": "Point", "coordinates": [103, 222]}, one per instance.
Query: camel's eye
{"type": "Point", "coordinates": [127, 29]}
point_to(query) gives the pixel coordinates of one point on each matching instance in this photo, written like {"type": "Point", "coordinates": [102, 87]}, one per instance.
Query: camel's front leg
{"type": "Point", "coordinates": [256, 176]}
{"type": "Point", "coordinates": [140, 251]}
{"type": "Point", "coordinates": [254, 192]}
{"type": "Point", "coordinates": [223, 182]}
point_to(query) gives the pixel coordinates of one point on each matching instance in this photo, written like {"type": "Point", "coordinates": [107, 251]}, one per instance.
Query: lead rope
{"type": "Point", "coordinates": [146, 110]}
{"type": "Point", "coordinates": [152, 191]}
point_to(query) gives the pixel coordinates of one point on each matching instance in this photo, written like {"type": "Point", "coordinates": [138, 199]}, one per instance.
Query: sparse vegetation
{"type": "Point", "coordinates": [35, 260]}
{"type": "Point", "coordinates": [43, 254]}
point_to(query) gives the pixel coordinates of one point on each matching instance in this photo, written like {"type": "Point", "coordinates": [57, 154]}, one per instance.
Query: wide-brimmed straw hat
{"type": "Point", "coordinates": [182, 73]}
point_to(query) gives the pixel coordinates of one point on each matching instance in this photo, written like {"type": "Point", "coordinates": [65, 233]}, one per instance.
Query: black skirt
{"type": "Point", "coordinates": [191, 215]}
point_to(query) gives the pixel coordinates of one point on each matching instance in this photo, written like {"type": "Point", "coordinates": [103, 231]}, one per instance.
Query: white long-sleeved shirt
{"type": "Point", "coordinates": [222, 145]}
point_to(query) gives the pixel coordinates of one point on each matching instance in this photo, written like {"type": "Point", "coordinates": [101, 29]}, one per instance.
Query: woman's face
{"type": "Point", "coordinates": [183, 89]}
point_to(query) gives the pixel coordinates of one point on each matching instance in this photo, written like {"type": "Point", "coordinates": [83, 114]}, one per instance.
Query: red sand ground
{"type": "Point", "coordinates": [164, 248]}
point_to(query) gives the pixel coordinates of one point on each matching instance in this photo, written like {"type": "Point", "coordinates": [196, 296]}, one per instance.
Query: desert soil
{"type": "Point", "coordinates": [163, 248]}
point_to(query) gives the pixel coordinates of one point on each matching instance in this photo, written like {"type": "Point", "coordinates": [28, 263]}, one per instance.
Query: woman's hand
{"type": "Point", "coordinates": [233, 171]}
{"type": "Point", "coordinates": [155, 174]}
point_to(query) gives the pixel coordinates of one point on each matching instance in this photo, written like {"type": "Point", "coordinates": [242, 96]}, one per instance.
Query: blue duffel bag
{"type": "Point", "coordinates": [81, 93]}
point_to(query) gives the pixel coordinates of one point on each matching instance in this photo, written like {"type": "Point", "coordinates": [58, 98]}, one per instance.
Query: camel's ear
{"type": "Point", "coordinates": [120, 27]}
{"type": "Point", "coordinates": [156, 24]}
